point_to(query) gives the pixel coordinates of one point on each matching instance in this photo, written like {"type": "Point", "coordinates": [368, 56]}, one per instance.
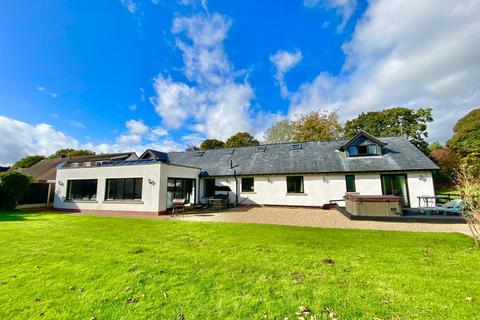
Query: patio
{"type": "Point", "coordinates": [320, 218]}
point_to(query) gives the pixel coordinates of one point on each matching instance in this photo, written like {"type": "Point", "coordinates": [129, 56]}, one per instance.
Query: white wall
{"type": "Point", "coordinates": [419, 184]}
{"type": "Point", "coordinates": [320, 189]}
{"type": "Point", "coordinates": [149, 191]}
{"type": "Point", "coordinates": [154, 194]}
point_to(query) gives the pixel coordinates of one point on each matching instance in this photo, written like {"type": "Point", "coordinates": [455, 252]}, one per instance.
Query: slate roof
{"type": "Point", "coordinates": [314, 157]}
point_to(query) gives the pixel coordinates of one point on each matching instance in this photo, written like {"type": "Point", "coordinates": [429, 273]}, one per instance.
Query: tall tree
{"type": "Point", "coordinates": [466, 138]}
{"type": "Point", "coordinates": [28, 161]}
{"type": "Point", "coordinates": [241, 139]}
{"type": "Point", "coordinates": [406, 122]}
{"type": "Point", "coordinates": [316, 126]}
{"type": "Point", "coordinates": [279, 132]}
{"type": "Point", "coordinates": [71, 153]}
{"type": "Point", "coordinates": [210, 144]}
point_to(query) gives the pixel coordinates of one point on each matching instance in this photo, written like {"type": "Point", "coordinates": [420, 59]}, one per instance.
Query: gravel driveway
{"type": "Point", "coordinates": [317, 218]}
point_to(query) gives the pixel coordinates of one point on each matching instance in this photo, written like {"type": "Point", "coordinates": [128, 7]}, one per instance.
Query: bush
{"type": "Point", "coordinates": [13, 185]}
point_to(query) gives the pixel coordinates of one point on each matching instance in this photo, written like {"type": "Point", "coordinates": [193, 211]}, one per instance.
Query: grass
{"type": "Point", "coordinates": [58, 266]}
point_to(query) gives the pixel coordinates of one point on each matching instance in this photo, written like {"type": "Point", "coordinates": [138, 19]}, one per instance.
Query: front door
{"type": "Point", "coordinates": [396, 184]}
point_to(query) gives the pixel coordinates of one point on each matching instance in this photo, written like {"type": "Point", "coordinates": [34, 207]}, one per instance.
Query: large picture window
{"type": "Point", "coordinates": [82, 189]}
{"type": "Point", "coordinates": [124, 189]}
{"type": "Point", "coordinates": [248, 185]}
{"type": "Point", "coordinates": [295, 184]}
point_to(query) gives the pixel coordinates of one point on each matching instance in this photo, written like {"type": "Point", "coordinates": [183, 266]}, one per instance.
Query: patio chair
{"type": "Point", "coordinates": [178, 204]}
{"type": "Point", "coordinates": [451, 207]}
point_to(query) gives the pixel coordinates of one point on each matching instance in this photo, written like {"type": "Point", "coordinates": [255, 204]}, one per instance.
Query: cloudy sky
{"type": "Point", "coordinates": [124, 75]}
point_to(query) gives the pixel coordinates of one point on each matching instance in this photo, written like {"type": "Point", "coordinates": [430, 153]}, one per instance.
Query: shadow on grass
{"type": "Point", "coordinates": [12, 216]}
{"type": "Point", "coordinates": [19, 215]}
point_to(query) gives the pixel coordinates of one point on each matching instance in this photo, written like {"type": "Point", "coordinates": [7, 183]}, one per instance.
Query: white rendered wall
{"type": "Point", "coordinates": [320, 189]}
{"type": "Point", "coordinates": [150, 191]}
{"type": "Point", "coordinates": [173, 171]}
{"type": "Point", "coordinates": [419, 184]}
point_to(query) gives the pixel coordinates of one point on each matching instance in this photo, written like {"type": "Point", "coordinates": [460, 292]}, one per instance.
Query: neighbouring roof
{"type": "Point", "coordinates": [43, 170]}
{"type": "Point", "coordinates": [103, 158]}
{"type": "Point", "coordinates": [311, 157]}
{"type": "Point", "coordinates": [46, 169]}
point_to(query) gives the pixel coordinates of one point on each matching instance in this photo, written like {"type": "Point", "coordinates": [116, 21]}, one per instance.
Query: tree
{"type": "Point", "coordinates": [435, 145]}
{"type": "Point", "coordinates": [210, 144]}
{"type": "Point", "coordinates": [279, 132]}
{"type": "Point", "coordinates": [72, 153]}
{"type": "Point", "coordinates": [28, 161]}
{"type": "Point", "coordinates": [13, 185]}
{"type": "Point", "coordinates": [448, 161]}
{"type": "Point", "coordinates": [398, 121]}
{"type": "Point", "coordinates": [466, 138]}
{"type": "Point", "coordinates": [468, 184]}
{"type": "Point", "coordinates": [241, 139]}
{"type": "Point", "coordinates": [316, 126]}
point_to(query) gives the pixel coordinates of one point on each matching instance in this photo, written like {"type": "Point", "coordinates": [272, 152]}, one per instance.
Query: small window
{"type": "Point", "coordinates": [350, 181]}
{"type": "Point", "coordinates": [297, 146]}
{"type": "Point", "coordinates": [198, 153]}
{"type": "Point", "coordinates": [98, 163]}
{"type": "Point", "coordinates": [74, 165]}
{"type": "Point", "coordinates": [295, 184]}
{"type": "Point", "coordinates": [82, 189]}
{"type": "Point", "coordinates": [124, 189]}
{"type": "Point", "coordinates": [261, 149]}
{"type": "Point", "coordinates": [87, 164]}
{"type": "Point", "coordinates": [248, 185]}
{"type": "Point", "coordinates": [352, 151]}
{"type": "Point", "coordinates": [372, 149]}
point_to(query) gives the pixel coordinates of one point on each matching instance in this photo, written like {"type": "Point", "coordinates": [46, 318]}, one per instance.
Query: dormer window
{"type": "Point", "coordinates": [362, 145]}
{"type": "Point", "coordinates": [368, 150]}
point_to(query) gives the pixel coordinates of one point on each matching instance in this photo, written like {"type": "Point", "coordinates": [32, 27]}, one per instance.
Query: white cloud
{"type": "Point", "coordinates": [284, 61]}
{"type": "Point", "coordinates": [132, 107]}
{"type": "Point", "coordinates": [42, 89]}
{"type": "Point", "coordinates": [18, 139]}
{"type": "Point", "coordinates": [76, 123]}
{"type": "Point", "coordinates": [406, 52]}
{"type": "Point", "coordinates": [130, 5]}
{"type": "Point", "coordinates": [175, 101]}
{"type": "Point", "coordinates": [218, 104]}
{"type": "Point", "coordinates": [205, 60]}
{"type": "Point", "coordinates": [344, 8]}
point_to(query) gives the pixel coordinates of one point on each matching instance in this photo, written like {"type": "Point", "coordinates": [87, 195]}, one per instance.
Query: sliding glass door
{"type": "Point", "coordinates": [178, 188]}
{"type": "Point", "coordinates": [396, 184]}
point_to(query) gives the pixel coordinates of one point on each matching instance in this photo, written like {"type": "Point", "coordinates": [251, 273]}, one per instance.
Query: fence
{"type": "Point", "coordinates": [38, 195]}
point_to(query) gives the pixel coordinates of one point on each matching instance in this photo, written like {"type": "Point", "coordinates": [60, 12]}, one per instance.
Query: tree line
{"type": "Point", "coordinates": [325, 126]}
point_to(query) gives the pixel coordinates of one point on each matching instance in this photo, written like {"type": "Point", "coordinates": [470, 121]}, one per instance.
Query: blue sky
{"type": "Point", "coordinates": [129, 74]}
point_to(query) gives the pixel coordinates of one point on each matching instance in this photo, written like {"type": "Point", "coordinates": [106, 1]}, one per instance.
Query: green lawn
{"type": "Point", "coordinates": [55, 266]}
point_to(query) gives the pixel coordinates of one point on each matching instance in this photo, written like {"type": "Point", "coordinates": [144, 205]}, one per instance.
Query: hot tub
{"type": "Point", "coordinates": [370, 205]}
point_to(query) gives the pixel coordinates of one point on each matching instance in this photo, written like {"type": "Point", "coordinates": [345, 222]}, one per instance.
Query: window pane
{"type": "Point", "coordinates": [352, 150]}
{"type": "Point", "coordinates": [128, 189]}
{"type": "Point", "coordinates": [110, 189]}
{"type": "Point", "coordinates": [295, 184]}
{"type": "Point", "coordinates": [247, 185]}
{"type": "Point", "coordinates": [350, 181]}
{"type": "Point", "coordinates": [119, 191]}
{"type": "Point", "coordinates": [138, 189]}
{"type": "Point", "coordinates": [82, 189]}
{"type": "Point", "coordinates": [372, 149]}
{"type": "Point", "coordinates": [362, 150]}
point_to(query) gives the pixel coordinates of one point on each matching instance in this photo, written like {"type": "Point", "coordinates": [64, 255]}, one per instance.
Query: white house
{"type": "Point", "coordinates": [288, 174]}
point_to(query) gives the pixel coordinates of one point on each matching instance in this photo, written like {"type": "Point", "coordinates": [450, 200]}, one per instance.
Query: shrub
{"type": "Point", "coordinates": [13, 185]}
